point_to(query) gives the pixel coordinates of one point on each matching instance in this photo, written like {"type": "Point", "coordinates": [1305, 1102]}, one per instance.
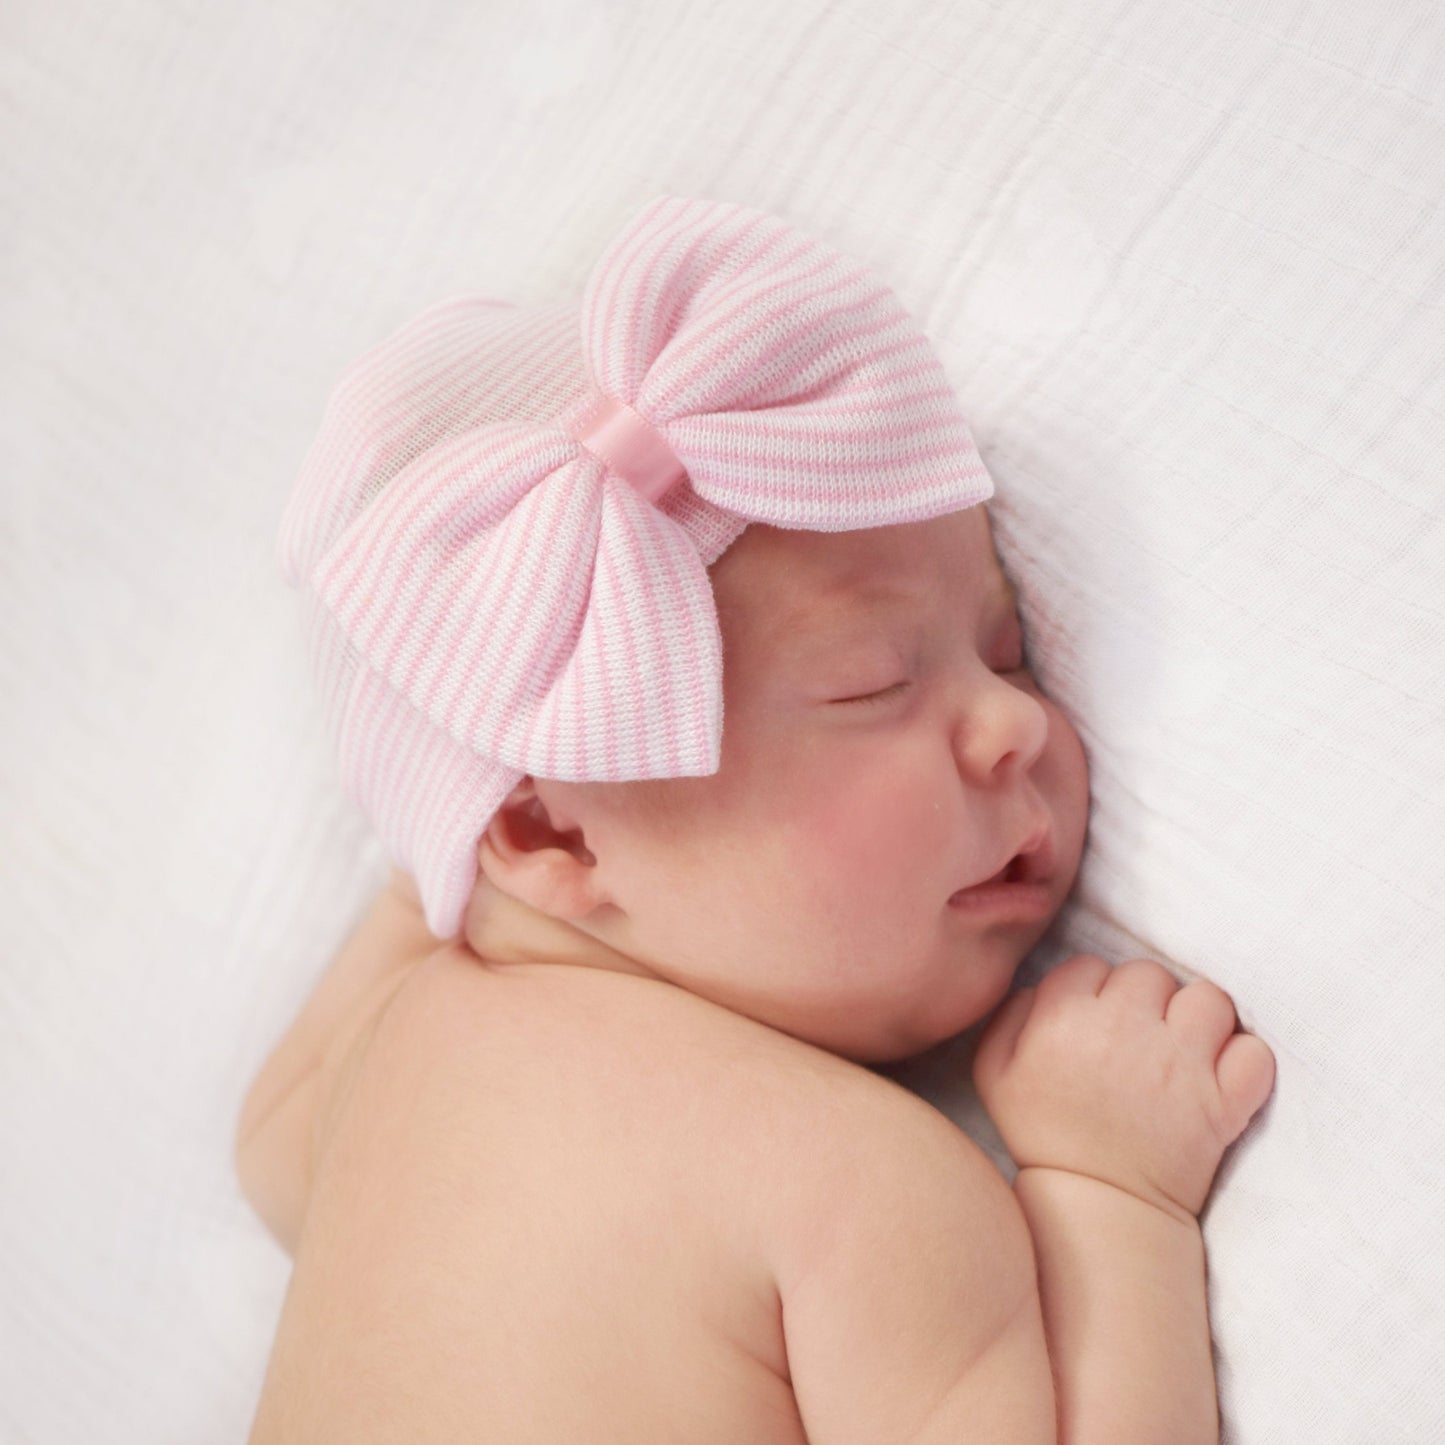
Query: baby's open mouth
{"type": "Point", "coordinates": [1034, 863]}
{"type": "Point", "coordinates": [1011, 872]}
{"type": "Point", "coordinates": [1020, 887]}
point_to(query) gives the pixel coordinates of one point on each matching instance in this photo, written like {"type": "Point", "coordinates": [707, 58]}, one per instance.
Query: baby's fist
{"type": "Point", "coordinates": [1121, 1074]}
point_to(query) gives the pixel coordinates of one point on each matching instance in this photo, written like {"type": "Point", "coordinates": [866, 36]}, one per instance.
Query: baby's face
{"type": "Point", "coordinates": [883, 748]}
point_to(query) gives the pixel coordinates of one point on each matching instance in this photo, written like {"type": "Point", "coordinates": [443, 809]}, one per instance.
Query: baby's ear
{"type": "Point", "coordinates": [542, 860]}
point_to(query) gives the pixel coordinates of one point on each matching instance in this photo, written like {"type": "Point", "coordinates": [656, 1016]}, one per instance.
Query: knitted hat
{"type": "Point", "coordinates": [502, 531]}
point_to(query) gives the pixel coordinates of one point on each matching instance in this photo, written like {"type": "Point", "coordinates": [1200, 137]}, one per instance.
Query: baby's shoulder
{"type": "Point", "coordinates": [631, 1079]}
{"type": "Point", "coordinates": [633, 1065]}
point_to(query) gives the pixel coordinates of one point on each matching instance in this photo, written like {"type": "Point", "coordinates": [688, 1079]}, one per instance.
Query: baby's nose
{"type": "Point", "coordinates": [1000, 731]}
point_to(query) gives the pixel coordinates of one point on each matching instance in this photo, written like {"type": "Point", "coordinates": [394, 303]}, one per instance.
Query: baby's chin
{"type": "Point", "coordinates": [929, 1014]}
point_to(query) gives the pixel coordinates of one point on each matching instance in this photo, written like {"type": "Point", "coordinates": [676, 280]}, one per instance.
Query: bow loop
{"type": "Point", "coordinates": [788, 379]}
{"type": "Point", "coordinates": [508, 588]}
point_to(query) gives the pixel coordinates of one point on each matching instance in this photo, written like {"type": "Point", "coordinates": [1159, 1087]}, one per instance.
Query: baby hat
{"type": "Point", "coordinates": [502, 530]}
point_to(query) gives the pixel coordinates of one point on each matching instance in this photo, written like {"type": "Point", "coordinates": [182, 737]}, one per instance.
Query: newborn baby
{"type": "Point", "coordinates": [607, 1163]}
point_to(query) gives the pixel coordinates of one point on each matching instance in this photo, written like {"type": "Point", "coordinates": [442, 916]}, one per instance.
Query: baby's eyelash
{"type": "Point", "coordinates": [882, 692]}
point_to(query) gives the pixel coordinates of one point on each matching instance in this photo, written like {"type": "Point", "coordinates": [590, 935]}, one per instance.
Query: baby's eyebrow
{"type": "Point", "coordinates": [841, 609]}
{"type": "Point", "coordinates": [844, 605]}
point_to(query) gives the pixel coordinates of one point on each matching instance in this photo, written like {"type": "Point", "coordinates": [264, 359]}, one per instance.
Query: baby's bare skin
{"type": "Point", "coordinates": [609, 1167]}
{"type": "Point", "coordinates": [552, 1203]}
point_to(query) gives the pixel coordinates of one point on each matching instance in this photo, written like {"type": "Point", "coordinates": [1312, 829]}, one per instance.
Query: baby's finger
{"type": "Point", "coordinates": [1084, 973]}
{"type": "Point", "coordinates": [1245, 1071]}
{"type": "Point", "coordinates": [996, 1047]}
{"type": "Point", "coordinates": [1144, 982]}
{"type": "Point", "coordinates": [1204, 1012]}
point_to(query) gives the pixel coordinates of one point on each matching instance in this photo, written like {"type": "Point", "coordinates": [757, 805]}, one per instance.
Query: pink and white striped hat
{"type": "Point", "coordinates": [502, 532]}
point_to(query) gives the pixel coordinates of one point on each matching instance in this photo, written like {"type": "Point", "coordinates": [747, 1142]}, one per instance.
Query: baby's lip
{"type": "Point", "coordinates": [1035, 857]}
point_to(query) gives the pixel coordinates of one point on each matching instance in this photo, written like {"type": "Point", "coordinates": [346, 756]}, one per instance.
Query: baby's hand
{"type": "Point", "coordinates": [1121, 1074]}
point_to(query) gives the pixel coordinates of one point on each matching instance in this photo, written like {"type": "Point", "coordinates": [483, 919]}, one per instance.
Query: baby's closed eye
{"type": "Point", "coordinates": [878, 694]}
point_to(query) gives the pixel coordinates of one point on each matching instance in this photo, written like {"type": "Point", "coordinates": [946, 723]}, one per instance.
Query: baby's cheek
{"type": "Point", "coordinates": [870, 833]}
{"type": "Point", "coordinates": [1062, 776]}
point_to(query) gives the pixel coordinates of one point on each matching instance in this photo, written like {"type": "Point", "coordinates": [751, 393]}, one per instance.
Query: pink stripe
{"type": "Point", "coordinates": [716, 341]}
{"type": "Point", "coordinates": [382, 557]}
{"type": "Point", "coordinates": [447, 613]}
{"type": "Point", "coordinates": [762, 264]}
{"type": "Point", "coordinates": [505, 600]}
{"type": "Point", "coordinates": [554, 724]}
{"type": "Point", "coordinates": [359, 564]}
{"type": "Point", "coordinates": [625, 296]}
{"type": "Point", "coordinates": [913, 457]}
{"type": "Point", "coordinates": [582, 754]}
{"type": "Point", "coordinates": [523, 641]}
{"type": "Point", "coordinates": [392, 801]}
{"type": "Point", "coordinates": [403, 511]}
{"type": "Point", "coordinates": [356, 724]}
{"type": "Point", "coordinates": [755, 418]}
{"type": "Point", "coordinates": [857, 404]}
{"type": "Point", "coordinates": [527, 612]}
{"type": "Point", "coordinates": [632, 294]}
{"type": "Point", "coordinates": [660, 220]}
{"type": "Point", "coordinates": [742, 300]}
{"type": "Point", "coordinates": [861, 400]}
{"type": "Point", "coordinates": [318, 496]}
{"type": "Point", "coordinates": [614, 269]}
{"type": "Point", "coordinates": [637, 691]}
{"type": "Point", "coordinates": [676, 585]}
{"type": "Point", "coordinates": [387, 786]}
{"type": "Point", "coordinates": [430, 766]}
{"type": "Point", "coordinates": [428, 323]}
{"type": "Point", "coordinates": [398, 382]}
{"type": "Point", "coordinates": [745, 489]}
{"type": "Point", "coordinates": [853, 439]}
{"type": "Point", "coordinates": [547, 626]}
{"type": "Point", "coordinates": [786, 342]}
{"type": "Point", "coordinates": [418, 493]}
{"type": "Point", "coordinates": [716, 334]}
{"type": "Point", "coordinates": [425, 512]}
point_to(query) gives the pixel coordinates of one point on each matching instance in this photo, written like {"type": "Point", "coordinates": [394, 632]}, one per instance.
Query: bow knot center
{"type": "Point", "coordinates": [629, 444]}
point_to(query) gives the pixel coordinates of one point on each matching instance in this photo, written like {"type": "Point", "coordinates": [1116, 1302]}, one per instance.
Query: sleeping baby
{"type": "Point", "coordinates": [677, 671]}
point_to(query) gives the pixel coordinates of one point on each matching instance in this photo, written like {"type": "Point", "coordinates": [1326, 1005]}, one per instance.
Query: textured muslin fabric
{"type": "Point", "coordinates": [503, 528]}
{"type": "Point", "coordinates": [1185, 266]}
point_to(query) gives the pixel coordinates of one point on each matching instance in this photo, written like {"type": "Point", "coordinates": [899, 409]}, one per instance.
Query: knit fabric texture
{"type": "Point", "coordinates": [502, 531]}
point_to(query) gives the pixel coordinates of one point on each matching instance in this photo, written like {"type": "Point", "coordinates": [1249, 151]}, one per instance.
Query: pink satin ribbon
{"type": "Point", "coordinates": [627, 442]}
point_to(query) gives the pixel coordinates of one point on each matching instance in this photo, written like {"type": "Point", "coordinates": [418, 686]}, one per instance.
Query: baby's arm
{"type": "Point", "coordinates": [909, 1300]}
{"type": "Point", "coordinates": [1117, 1092]}
{"type": "Point", "coordinates": [274, 1134]}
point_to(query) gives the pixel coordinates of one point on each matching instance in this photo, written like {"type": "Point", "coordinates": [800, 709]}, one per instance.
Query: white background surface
{"type": "Point", "coordinates": [1186, 266]}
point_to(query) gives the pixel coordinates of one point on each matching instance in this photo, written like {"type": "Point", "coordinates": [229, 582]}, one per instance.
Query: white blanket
{"type": "Point", "coordinates": [1186, 265]}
